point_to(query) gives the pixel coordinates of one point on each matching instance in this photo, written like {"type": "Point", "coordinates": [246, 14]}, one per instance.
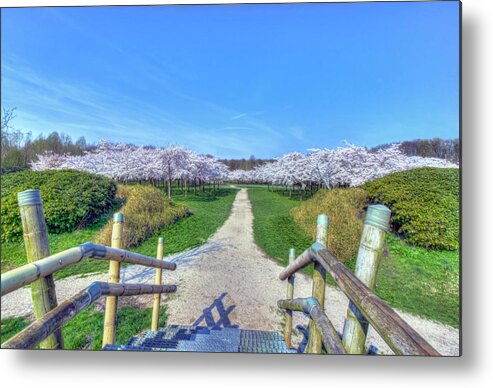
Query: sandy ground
{"type": "Point", "coordinates": [230, 281]}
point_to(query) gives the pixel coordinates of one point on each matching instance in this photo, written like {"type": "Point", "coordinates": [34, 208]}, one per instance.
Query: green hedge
{"type": "Point", "coordinates": [424, 204]}
{"type": "Point", "coordinates": [71, 199]}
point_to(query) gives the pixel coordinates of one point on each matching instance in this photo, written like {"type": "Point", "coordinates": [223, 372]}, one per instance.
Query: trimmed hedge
{"type": "Point", "coordinates": [345, 208]}
{"type": "Point", "coordinates": [424, 204]}
{"type": "Point", "coordinates": [71, 199]}
{"type": "Point", "coordinates": [146, 210]}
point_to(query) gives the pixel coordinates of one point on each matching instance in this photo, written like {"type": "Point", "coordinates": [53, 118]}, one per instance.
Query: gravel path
{"type": "Point", "coordinates": [229, 280]}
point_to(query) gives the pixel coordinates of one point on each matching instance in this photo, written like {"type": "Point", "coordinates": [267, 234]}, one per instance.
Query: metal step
{"type": "Point", "coordinates": [206, 339]}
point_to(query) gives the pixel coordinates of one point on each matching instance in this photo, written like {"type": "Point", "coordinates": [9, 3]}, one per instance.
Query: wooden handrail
{"type": "Point", "coordinates": [42, 328]}
{"type": "Point", "coordinates": [310, 306]}
{"type": "Point", "coordinates": [302, 261]}
{"type": "Point", "coordinates": [396, 332]}
{"type": "Point", "coordinates": [22, 276]}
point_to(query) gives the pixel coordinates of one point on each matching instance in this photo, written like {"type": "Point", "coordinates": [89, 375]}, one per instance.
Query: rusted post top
{"type": "Point", "coordinates": [378, 216]}
{"type": "Point", "coordinates": [29, 197]}
{"type": "Point", "coordinates": [118, 217]}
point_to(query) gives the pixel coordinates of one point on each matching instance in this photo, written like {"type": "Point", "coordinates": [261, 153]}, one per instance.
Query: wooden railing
{"type": "Point", "coordinates": [365, 307]}
{"type": "Point", "coordinates": [46, 329]}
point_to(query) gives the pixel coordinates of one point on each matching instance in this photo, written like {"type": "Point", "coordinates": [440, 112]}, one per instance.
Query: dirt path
{"type": "Point", "coordinates": [229, 280]}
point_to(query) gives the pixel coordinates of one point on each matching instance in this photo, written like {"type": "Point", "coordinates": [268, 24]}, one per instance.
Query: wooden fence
{"type": "Point", "coordinates": [46, 329]}
{"type": "Point", "coordinates": [365, 307]}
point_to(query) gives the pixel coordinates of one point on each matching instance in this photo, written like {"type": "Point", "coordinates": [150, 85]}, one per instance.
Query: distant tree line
{"type": "Point", "coordinates": [429, 148]}
{"type": "Point", "coordinates": [245, 164]}
{"type": "Point", "coordinates": [19, 149]}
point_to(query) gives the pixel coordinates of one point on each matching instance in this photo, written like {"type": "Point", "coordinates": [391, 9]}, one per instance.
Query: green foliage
{"type": "Point", "coordinates": [11, 326]}
{"type": "Point", "coordinates": [424, 204]}
{"type": "Point", "coordinates": [345, 210]}
{"type": "Point", "coordinates": [146, 210]}
{"type": "Point", "coordinates": [71, 199]}
{"type": "Point", "coordinates": [13, 253]}
{"type": "Point", "coordinates": [274, 229]}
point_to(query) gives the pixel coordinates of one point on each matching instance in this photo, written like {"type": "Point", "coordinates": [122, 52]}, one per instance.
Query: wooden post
{"type": "Point", "coordinates": [290, 294]}
{"type": "Point", "coordinates": [318, 292]}
{"type": "Point", "coordinates": [369, 254]}
{"type": "Point", "coordinates": [110, 311]}
{"type": "Point", "coordinates": [159, 278]}
{"type": "Point", "coordinates": [37, 247]}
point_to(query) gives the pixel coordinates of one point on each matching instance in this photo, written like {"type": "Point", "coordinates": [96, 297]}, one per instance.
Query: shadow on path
{"type": "Point", "coordinates": [222, 313]}
{"type": "Point", "coordinates": [139, 273]}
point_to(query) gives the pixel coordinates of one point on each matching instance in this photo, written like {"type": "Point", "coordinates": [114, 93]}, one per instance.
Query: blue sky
{"type": "Point", "coordinates": [236, 80]}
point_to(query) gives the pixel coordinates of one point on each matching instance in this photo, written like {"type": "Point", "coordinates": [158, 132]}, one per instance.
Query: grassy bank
{"type": "Point", "coordinates": [273, 227]}
{"type": "Point", "coordinates": [209, 211]}
{"type": "Point", "coordinates": [413, 279]}
{"type": "Point", "coordinates": [85, 331]}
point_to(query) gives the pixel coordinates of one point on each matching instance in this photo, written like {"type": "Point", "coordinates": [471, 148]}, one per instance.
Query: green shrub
{"type": "Point", "coordinates": [424, 204]}
{"type": "Point", "coordinates": [146, 210]}
{"type": "Point", "coordinates": [71, 199]}
{"type": "Point", "coordinates": [345, 210]}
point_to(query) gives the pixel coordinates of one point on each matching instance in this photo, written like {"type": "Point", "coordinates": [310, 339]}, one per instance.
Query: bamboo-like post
{"type": "Point", "coordinates": [110, 311]}
{"type": "Point", "coordinates": [159, 278]}
{"type": "Point", "coordinates": [37, 247]}
{"type": "Point", "coordinates": [369, 254]}
{"type": "Point", "coordinates": [318, 292]}
{"type": "Point", "coordinates": [289, 295]}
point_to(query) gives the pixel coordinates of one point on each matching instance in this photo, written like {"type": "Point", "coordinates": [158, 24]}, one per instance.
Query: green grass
{"type": "Point", "coordinates": [209, 211]}
{"type": "Point", "coordinates": [274, 229]}
{"type": "Point", "coordinates": [420, 281]}
{"type": "Point", "coordinates": [85, 331]}
{"type": "Point", "coordinates": [11, 326]}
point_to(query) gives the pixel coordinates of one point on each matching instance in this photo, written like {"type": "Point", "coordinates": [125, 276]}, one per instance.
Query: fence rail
{"type": "Point", "coordinates": [310, 306]}
{"type": "Point", "coordinates": [42, 328]}
{"type": "Point", "coordinates": [28, 273]}
{"type": "Point", "coordinates": [365, 307]}
{"type": "Point", "coordinates": [46, 329]}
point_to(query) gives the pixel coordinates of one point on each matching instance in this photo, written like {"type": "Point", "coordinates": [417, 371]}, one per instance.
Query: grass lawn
{"type": "Point", "coordinates": [416, 280]}
{"type": "Point", "coordinates": [274, 229]}
{"type": "Point", "coordinates": [210, 210]}
{"type": "Point", "coordinates": [85, 331]}
{"type": "Point", "coordinates": [420, 281]}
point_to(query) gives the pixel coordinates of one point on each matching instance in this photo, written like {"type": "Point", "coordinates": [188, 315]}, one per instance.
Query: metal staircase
{"type": "Point", "coordinates": [176, 338]}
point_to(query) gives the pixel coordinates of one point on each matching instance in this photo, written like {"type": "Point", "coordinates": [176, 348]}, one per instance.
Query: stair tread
{"type": "Point", "coordinates": [229, 339]}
